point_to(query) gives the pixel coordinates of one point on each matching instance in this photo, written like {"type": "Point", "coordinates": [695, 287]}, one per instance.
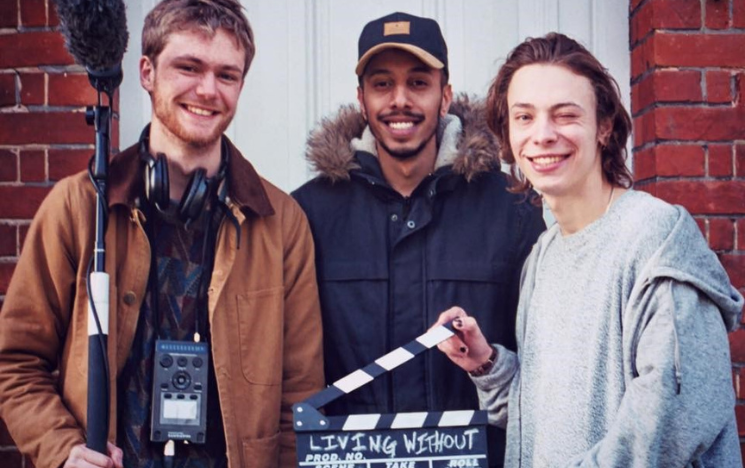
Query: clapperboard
{"type": "Point", "coordinates": [400, 440]}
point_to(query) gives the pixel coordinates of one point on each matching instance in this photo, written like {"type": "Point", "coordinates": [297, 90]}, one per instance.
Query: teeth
{"type": "Point", "coordinates": [198, 111]}
{"type": "Point", "coordinates": [401, 125]}
{"type": "Point", "coordinates": [546, 160]}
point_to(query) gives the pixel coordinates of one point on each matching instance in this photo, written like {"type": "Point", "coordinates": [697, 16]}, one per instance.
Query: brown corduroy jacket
{"type": "Point", "coordinates": [263, 311]}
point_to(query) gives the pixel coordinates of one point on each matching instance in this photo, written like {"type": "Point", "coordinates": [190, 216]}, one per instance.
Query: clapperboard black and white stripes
{"type": "Point", "coordinates": [401, 440]}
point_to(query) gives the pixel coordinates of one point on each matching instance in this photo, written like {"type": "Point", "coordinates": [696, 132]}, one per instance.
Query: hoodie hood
{"type": "Point", "coordinates": [465, 142]}
{"type": "Point", "coordinates": [685, 256]}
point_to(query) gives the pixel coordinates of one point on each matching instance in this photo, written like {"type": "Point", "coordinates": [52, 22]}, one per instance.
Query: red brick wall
{"type": "Point", "coordinates": [688, 85]}
{"type": "Point", "coordinates": [43, 134]}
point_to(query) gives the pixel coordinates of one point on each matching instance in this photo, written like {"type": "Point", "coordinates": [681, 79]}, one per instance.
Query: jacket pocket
{"type": "Point", "coordinates": [261, 453]}
{"type": "Point", "coordinates": [354, 297]}
{"type": "Point", "coordinates": [343, 287]}
{"type": "Point", "coordinates": [487, 290]}
{"type": "Point", "coordinates": [261, 330]}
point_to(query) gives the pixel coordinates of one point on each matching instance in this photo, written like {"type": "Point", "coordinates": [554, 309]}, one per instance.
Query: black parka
{"type": "Point", "coordinates": [387, 265]}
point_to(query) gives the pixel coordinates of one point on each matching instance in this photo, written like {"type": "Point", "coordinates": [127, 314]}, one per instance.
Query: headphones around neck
{"type": "Point", "coordinates": [199, 190]}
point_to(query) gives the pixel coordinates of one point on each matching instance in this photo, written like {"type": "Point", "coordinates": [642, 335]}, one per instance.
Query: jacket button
{"type": "Point", "coordinates": [410, 224]}
{"type": "Point", "coordinates": [394, 217]}
{"type": "Point", "coordinates": [129, 298]}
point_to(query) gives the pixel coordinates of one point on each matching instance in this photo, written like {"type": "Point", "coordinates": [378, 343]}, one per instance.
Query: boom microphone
{"type": "Point", "coordinates": [96, 35]}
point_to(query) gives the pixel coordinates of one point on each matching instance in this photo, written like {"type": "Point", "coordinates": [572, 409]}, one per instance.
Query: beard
{"type": "Point", "coordinates": [169, 118]}
{"type": "Point", "coordinates": [402, 154]}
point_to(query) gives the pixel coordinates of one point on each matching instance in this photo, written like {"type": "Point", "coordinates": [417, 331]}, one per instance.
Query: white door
{"type": "Point", "coordinates": [307, 51]}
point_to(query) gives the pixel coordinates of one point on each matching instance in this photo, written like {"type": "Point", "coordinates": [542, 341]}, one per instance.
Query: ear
{"type": "Point", "coordinates": [447, 99]}
{"type": "Point", "coordinates": [361, 101]}
{"type": "Point", "coordinates": [604, 131]}
{"type": "Point", "coordinates": [147, 74]}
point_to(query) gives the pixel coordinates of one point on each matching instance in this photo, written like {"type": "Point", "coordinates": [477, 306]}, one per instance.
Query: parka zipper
{"type": "Point", "coordinates": [405, 209]}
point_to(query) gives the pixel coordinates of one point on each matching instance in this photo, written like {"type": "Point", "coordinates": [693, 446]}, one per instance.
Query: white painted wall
{"type": "Point", "coordinates": [307, 51]}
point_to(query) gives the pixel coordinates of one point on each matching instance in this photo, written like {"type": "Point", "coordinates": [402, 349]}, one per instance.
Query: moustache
{"type": "Point", "coordinates": [412, 115]}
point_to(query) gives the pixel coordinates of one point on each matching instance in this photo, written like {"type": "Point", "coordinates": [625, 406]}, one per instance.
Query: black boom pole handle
{"type": "Point", "coordinates": [97, 426]}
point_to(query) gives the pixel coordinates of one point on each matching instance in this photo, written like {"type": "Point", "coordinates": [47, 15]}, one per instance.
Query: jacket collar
{"type": "Point", "coordinates": [245, 187]}
{"type": "Point", "coordinates": [331, 150]}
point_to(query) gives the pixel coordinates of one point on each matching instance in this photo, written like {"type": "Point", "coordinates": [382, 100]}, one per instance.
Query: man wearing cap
{"type": "Point", "coordinates": [410, 214]}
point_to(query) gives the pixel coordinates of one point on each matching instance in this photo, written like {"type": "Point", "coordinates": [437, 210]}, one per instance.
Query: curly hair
{"type": "Point", "coordinates": [558, 49]}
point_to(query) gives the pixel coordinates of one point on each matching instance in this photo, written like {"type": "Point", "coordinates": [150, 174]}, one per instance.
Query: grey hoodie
{"type": "Point", "coordinates": [623, 358]}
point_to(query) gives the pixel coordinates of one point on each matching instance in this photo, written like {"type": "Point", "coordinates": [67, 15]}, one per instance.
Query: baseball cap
{"type": "Point", "coordinates": [419, 36]}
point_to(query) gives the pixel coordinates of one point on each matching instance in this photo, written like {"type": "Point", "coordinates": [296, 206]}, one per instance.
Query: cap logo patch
{"type": "Point", "coordinates": [398, 27]}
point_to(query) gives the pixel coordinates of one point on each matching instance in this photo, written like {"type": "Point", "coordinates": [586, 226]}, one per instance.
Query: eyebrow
{"type": "Point", "coordinates": [194, 59]}
{"type": "Point", "coordinates": [525, 105]}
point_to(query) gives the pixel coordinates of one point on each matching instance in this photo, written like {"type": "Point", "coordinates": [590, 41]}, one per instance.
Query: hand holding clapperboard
{"type": "Point", "coordinates": [400, 440]}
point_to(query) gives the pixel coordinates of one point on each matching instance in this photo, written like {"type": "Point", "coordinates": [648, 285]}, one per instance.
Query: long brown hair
{"type": "Point", "coordinates": [558, 49]}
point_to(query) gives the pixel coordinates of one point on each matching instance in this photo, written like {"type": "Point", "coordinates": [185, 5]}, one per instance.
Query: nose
{"type": "Point", "coordinates": [207, 86]}
{"type": "Point", "coordinates": [544, 131]}
{"type": "Point", "coordinates": [400, 98]}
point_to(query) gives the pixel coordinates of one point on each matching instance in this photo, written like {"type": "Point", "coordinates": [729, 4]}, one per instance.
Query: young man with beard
{"type": "Point", "coordinates": [235, 271]}
{"type": "Point", "coordinates": [410, 213]}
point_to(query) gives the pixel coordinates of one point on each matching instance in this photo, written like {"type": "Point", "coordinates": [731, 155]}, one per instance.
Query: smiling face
{"type": "Point", "coordinates": [402, 100]}
{"type": "Point", "coordinates": [553, 130]}
{"type": "Point", "coordinates": [194, 85]}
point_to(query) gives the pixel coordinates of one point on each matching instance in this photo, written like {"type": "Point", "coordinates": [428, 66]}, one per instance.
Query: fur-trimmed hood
{"type": "Point", "coordinates": [465, 141]}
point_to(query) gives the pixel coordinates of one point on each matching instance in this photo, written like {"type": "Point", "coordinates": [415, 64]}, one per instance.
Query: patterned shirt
{"type": "Point", "coordinates": [180, 262]}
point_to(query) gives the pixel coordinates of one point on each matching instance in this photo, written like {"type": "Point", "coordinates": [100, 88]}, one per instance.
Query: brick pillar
{"type": "Point", "coordinates": [43, 134]}
{"type": "Point", "coordinates": [688, 84]}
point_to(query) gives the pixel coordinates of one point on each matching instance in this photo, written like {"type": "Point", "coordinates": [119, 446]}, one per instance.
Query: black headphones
{"type": "Point", "coordinates": [198, 191]}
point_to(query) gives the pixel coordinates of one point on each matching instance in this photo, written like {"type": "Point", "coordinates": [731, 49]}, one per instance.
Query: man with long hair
{"type": "Point", "coordinates": [623, 358]}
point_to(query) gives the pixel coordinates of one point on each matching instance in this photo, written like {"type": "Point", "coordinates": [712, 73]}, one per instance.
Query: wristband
{"type": "Point", "coordinates": [484, 368]}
